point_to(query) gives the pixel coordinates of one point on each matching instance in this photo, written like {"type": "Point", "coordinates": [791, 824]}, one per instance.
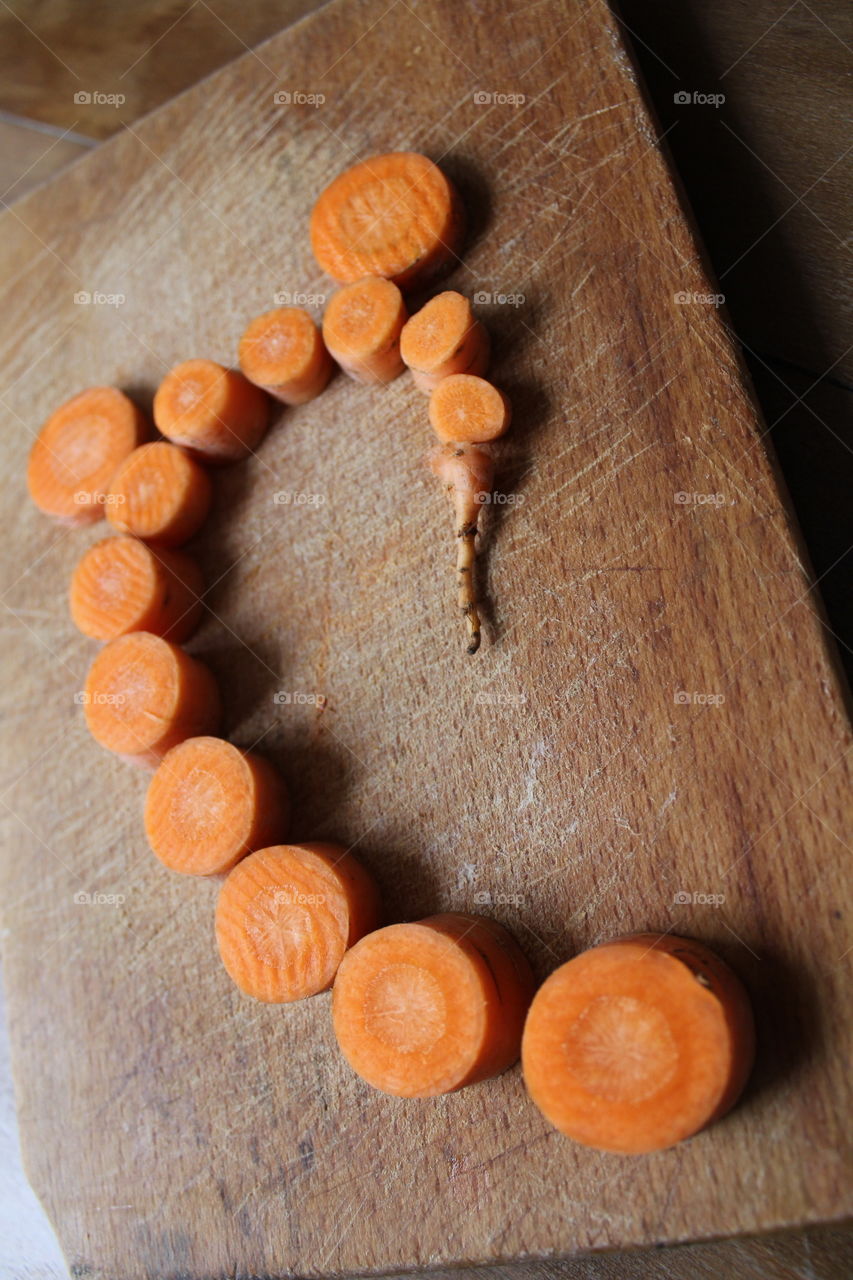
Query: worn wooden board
{"type": "Point", "coordinates": [656, 713]}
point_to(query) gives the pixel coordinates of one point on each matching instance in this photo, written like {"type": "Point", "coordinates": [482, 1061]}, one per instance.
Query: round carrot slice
{"type": "Point", "coordinates": [159, 493]}
{"type": "Point", "coordinates": [638, 1043]}
{"type": "Point", "coordinates": [210, 803]}
{"type": "Point", "coordinates": [122, 585]}
{"type": "Point", "coordinates": [361, 329]}
{"type": "Point", "coordinates": [423, 1009]}
{"type": "Point", "coordinates": [77, 451]}
{"type": "Point", "coordinates": [214, 411]}
{"type": "Point", "coordinates": [444, 337]}
{"type": "Point", "coordinates": [144, 695]}
{"type": "Point", "coordinates": [287, 914]}
{"type": "Point", "coordinates": [394, 215]}
{"type": "Point", "coordinates": [467, 409]}
{"type": "Point", "coordinates": [283, 352]}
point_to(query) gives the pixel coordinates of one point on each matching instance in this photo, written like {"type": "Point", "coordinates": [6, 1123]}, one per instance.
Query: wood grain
{"type": "Point", "coordinates": [171, 1127]}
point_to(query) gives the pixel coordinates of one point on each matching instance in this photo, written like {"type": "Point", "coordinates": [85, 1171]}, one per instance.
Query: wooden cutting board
{"type": "Point", "coordinates": [653, 736]}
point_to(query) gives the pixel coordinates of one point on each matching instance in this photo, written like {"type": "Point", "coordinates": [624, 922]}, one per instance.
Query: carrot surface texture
{"type": "Point", "coordinates": [286, 915]}
{"type": "Point", "coordinates": [443, 338]}
{"type": "Point", "coordinates": [214, 411]}
{"type": "Point", "coordinates": [362, 327]}
{"type": "Point", "coordinates": [122, 585]}
{"type": "Point", "coordinates": [423, 1009]}
{"type": "Point", "coordinates": [467, 473]}
{"type": "Point", "coordinates": [638, 1043]}
{"type": "Point", "coordinates": [209, 804]}
{"type": "Point", "coordinates": [283, 352]}
{"type": "Point", "coordinates": [144, 695]}
{"type": "Point", "coordinates": [160, 494]}
{"type": "Point", "coordinates": [394, 215]}
{"type": "Point", "coordinates": [464, 408]}
{"type": "Point", "coordinates": [77, 451]}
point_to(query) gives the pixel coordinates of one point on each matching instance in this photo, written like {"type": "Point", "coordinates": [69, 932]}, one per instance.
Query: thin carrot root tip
{"type": "Point", "coordinates": [427, 1008]}
{"type": "Point", "coordinates": [442, 339]}
{"type": "Point", "coordinates": [282, 352]}
{"type": "Point", "coordinates": [362, 327]}
{"type": "Point", "coordinates": [638, 1043]}
{"type": "Point", "coordinates": [215, 412]}
{"type": "Point", "coordinates": [160, 494]}
{"type": "Point", "coordinates": [122, 585]}
{"type": "Point", "coordinates": [467, 473]}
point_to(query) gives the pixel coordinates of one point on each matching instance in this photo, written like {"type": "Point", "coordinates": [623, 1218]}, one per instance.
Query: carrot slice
{"type": "Point", "coordinates": [77, 451]}
{"type": "Point", "coordinates": [144, 695]}
{"type": "Point", "coordinates": [361, 329]}
{"type": "Point", "coordinates": [394, 215]}
{"type": "Point", "coordinates": [466, 409]}
{"type": "Point", "coordinates": [209, 804]}
{"type": "Point", "coordinates": [423, 1009]}
{"type": "Point", "coordinates": [638, 1043]}
{"type": "Point", "coordinates": [287, 914]}
{"type": "Point", "coordinates": [122, 585]}
{"type": "Point", "coordinates": [159, 493]}
{"type": "Point", "coordinates": [215, 412]}
{"type": "Point", "coordinates": [444, 337]}
{"type": "Point", "coordinates": [283, 352]}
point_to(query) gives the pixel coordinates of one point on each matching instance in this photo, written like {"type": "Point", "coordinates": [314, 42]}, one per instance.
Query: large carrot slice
{"type": "Point", "coordinates": [287, 914]}
{"type": "Point", "coordinates": [77, 451]}
{"type": "Point", "coordinates": [210, 803]}
{"type": "Point", "coordinates": [394, 215]}
{"type": "Point", "coordinates": [122, 585]}
{"type": "Point", "coordinates": [144, 695]}
{"type": "Point", "coordinates": [423, 1009]}
{"type": "Point", "coordinates": [444, 337]}
{"type": "Point", "coordinates": [638, 1043]}
{"type": "Point", "coordinates": [283, 352]}
{"type": "Point", "coordinates": [214, 411]}
{"type": "Point", "coordinates": [361, 329]}
{"type": "Point", "coordinates": [466, 409]}
{"type": "Point", "coordinates": [159, 493]}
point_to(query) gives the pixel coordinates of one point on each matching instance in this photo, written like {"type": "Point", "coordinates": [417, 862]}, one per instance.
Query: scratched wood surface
{"type": "Point", "coordinates": [655, 715]}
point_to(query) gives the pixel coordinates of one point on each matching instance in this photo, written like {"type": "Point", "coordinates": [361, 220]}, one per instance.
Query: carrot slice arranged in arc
{"type": "Point", "coordinates": [287, 914]}
{"type": "Point", "coordinates": [122, 585]}
{"type": "Point", "coordinates": [444, 337]}
{"type": "Point", "coordinates": [282, 352]}
{"type": "Point", "coordinates": [361, 329]}
{"type": "Point", "coordinates": [209, 804]}
{"type": "Point", "coordinates": [77, 451]}
{"type": "Point", "coordinates": [423, 1009]}
{"type": "Point", "coordinates": [160, 494]}
{"type": "Point", "coordinates": [638, 1043]}
{"type": "Point", "coordinates": [214, 411]}
{"type": "Point", "coordinates": [144, 695]}
{"type": "Point", "coordinates": [395, 215]}
{"type": "Point", "coordinates": [466, 409]}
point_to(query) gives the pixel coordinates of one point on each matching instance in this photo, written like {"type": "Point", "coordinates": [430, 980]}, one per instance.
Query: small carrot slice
{"type": "Point", "coordinates": [159, 493]}
{"type": "Point", "coordinates": [77, 451]}
{"type": "Point", "coordinates": [638, 1043]}
{"type": "Point", "coordinates": [210, 803]}
{"type": "Point", "coordinates": [423, 1009]}
{"type": "Point", "coordinates": [361, 329]}
{"type": "Point", "coordinates": [122, 585]}
{"type": "Point", "coordinates": [467, 409]}
{"type": "Point", "coordinates": [444, 337]}
{"type": "Point", "coordinates": [282, 352]}
{"type": "Point", "coordinates": [287, 914]}
{"type": "Point", "coordinates": [395, 215]}
{"type": "Point", "coordinates": [215, 412]}
{"type": "Point", "coordinates": [144, 695]}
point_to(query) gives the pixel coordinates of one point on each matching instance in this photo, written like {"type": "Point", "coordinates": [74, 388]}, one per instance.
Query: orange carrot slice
{"type": "Point", "coordinates": [287, 914]}
{"type": "Point", "coordinates": [361, 329]}
{"type": "Point", "coordinates": [209, 804]}
{"type": "Point", "coordinates": [394, 215]}
{"type": "Point", "coordinates": [467, 409]}
{"type": "Point", "coordinates": [77, 451]}
{"type": "Point", "coordinates": [283, 352]}
{"type": "Point", "coordinates": [638, 1043]}
{"type": "Point", "coordinates": [144, 695]}
{"type": "Point", "coordinates": [423, 1009]}
{"type": "Point", "coordinates": [215, 412]}
{"type": "Point", "coordinates": [443, 338]}
{"type": "Point", "coordinates": [122, 585]}
{"type": "Point", "coordinates": [159, 493]}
